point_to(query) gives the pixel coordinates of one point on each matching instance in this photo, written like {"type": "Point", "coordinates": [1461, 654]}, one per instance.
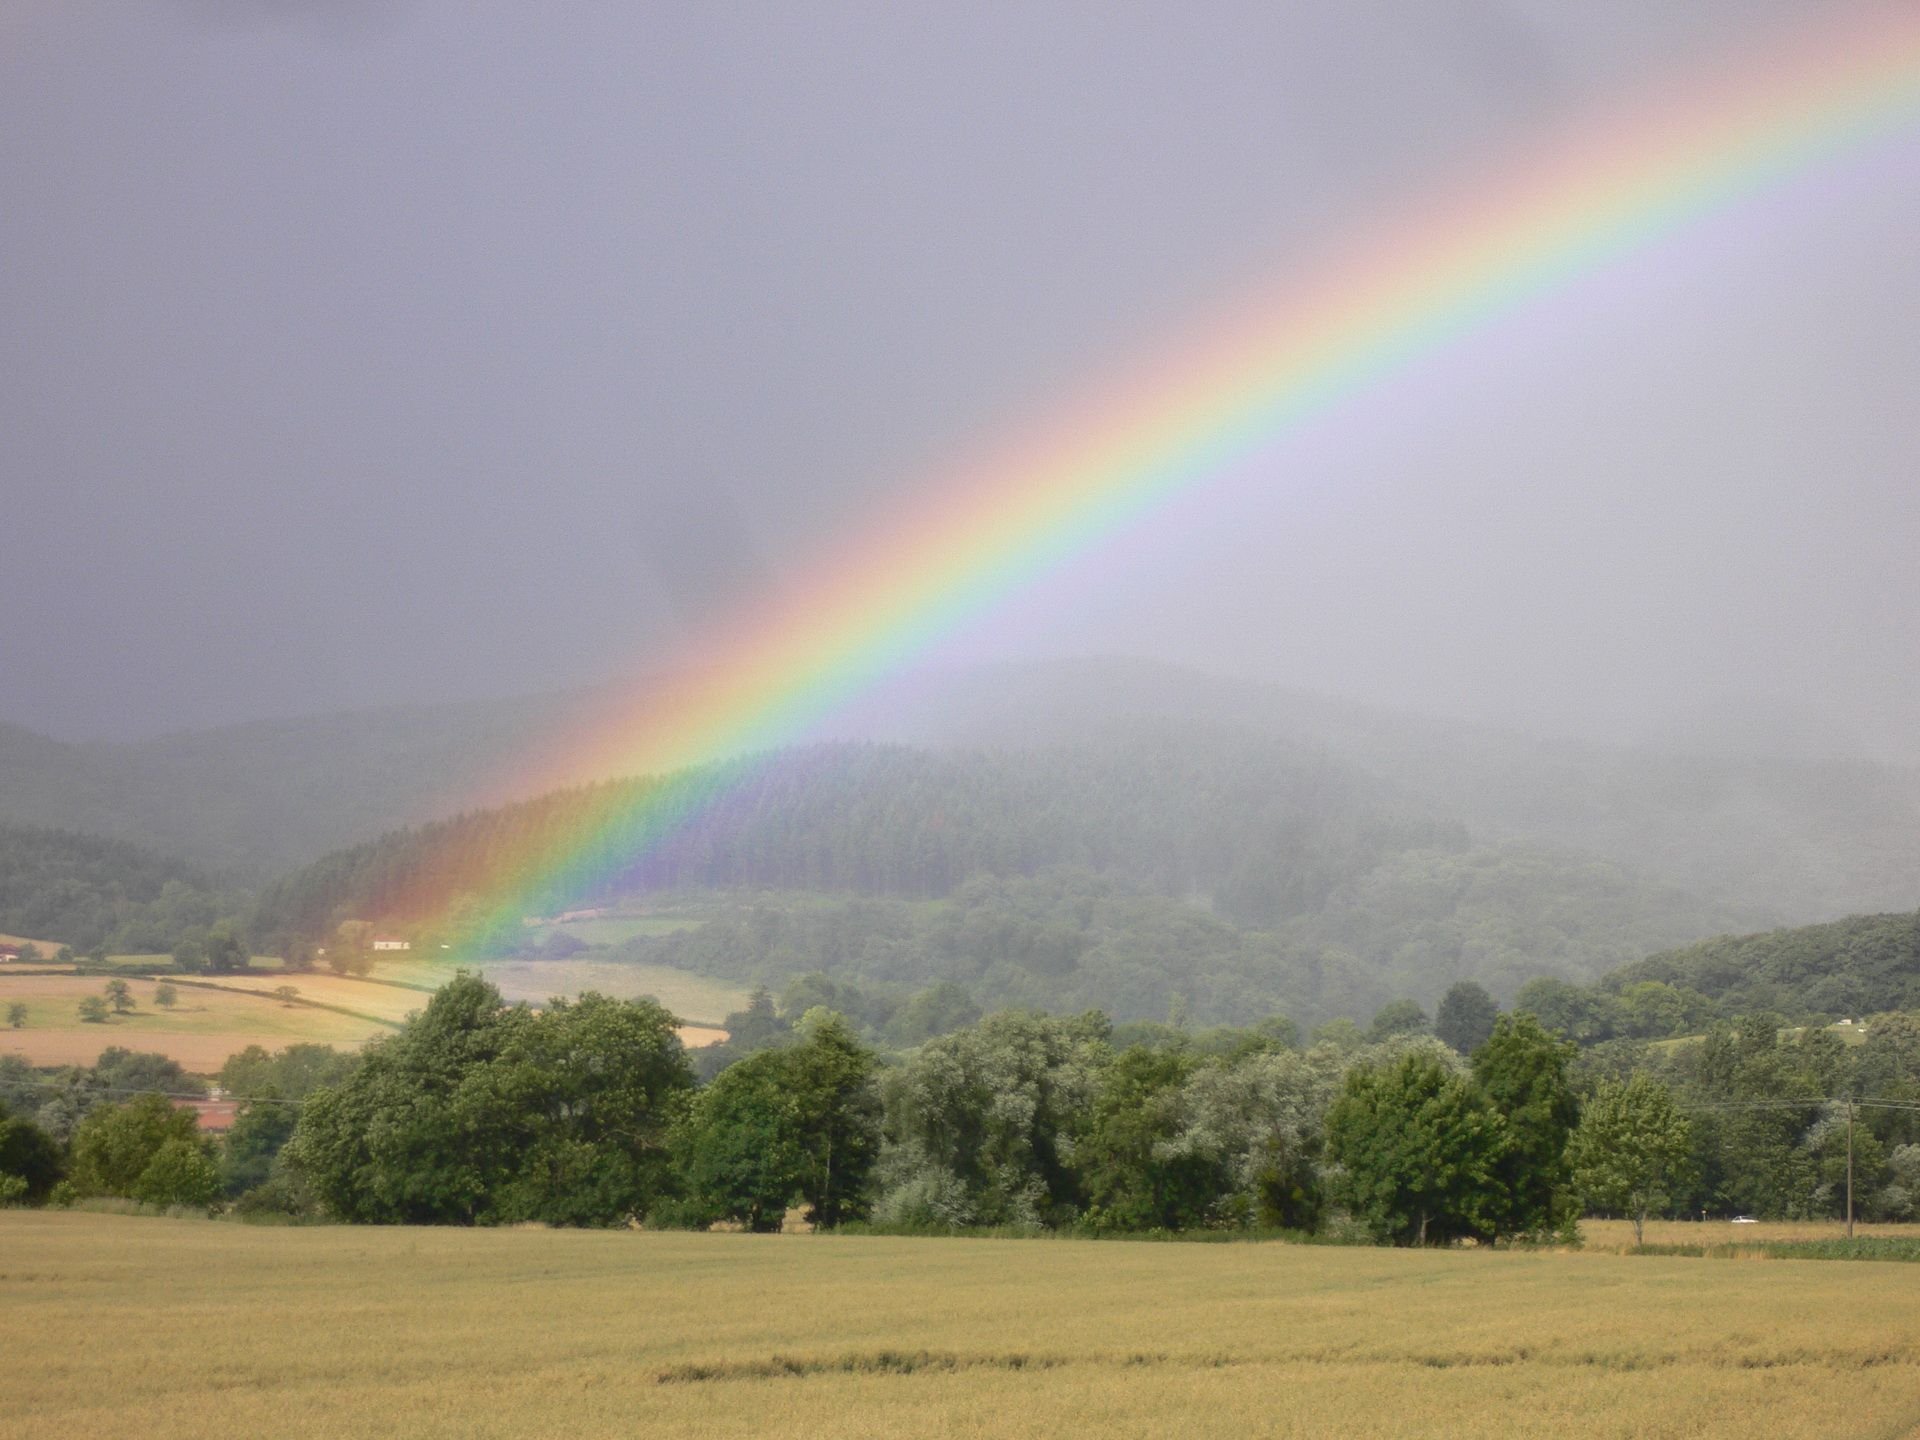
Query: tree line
{"type": "Point", "coordinates": [93, 893]}
{"type": "Point", "coordinates": [589, 1112]}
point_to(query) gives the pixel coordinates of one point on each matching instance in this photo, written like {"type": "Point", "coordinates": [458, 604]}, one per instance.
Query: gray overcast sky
{"type": "Point", "coordinates": [359, 353]}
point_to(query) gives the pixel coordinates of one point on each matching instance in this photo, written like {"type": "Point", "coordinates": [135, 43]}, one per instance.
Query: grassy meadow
{"type": "Point", "coordinates": [167, 1329]}
{"type": "Point", "coordinates": [690, 996]}
{"type": "Point", "coordinates": [612, 929]}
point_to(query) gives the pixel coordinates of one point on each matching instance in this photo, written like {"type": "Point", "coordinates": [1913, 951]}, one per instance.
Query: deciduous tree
{"type": "Point", "coordinates": [1400, 1017]}
{"type": "Point", "coordinates": [1418, 1148]}
{"type": "Point", "coordinates": [1522, 1070]}
{"type": "Point", "coordinates": [1631, 1149]}
{"type": "Point", "coordinates": [478, 1112]}
{"type": "Point", "coordinates": [114, 1146]}
{"type": "Point", "coordinates": [1465, 1018]}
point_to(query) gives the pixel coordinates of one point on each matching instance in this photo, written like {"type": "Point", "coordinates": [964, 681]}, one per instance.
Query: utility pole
{"type": "Point", "coordinates": [1849, 1167]}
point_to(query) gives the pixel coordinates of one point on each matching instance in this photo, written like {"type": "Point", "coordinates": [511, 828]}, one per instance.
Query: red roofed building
{"type": "Point", "coordinates": [215, 1117]}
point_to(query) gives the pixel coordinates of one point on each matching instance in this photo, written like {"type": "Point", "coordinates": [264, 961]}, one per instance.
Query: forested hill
{"type": "Point", "coordinates": [1857, 966]}
{"type": "Point", "coordinates": [83, 891]}
{"type": "Point", "coordinates": [1782, 839]}
{"type": "Point", "coordinates": [1847, 969]}
{"type": "Point", "coordinates": [1258, 827]}
{"type": "Point", "coordinates": [1794, 836]}
{"type": "Point", "coordinates": [1234, 874]}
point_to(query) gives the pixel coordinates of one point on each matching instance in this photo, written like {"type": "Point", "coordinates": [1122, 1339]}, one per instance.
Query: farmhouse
{"type": "Point", "coordinates": [392, 944]}
{"type": "Point", "coordinates": [8, 953]}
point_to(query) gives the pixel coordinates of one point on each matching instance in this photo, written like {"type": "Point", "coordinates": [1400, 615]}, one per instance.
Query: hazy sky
{"type": "Point", "coordinates": [360, 353]}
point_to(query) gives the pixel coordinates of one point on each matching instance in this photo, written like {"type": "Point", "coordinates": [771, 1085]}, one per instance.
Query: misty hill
{"type": "Point", "coordinates": [1791, 836]}
{"type": "Point", "coordinates": [1238, 875]}
{"type": "Point", "coordinates": [256, 800]}
{"type": "Point", "coordinates": [1779, 838]}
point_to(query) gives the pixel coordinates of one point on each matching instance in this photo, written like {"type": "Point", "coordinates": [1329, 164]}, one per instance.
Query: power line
{"type": "Point", "coordinates": [164, 1094]}
{"type": "Point", "coordinates": [1796, 1104]}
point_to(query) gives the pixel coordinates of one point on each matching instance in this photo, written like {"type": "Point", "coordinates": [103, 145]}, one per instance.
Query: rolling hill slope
{"type": "Point", "coordinates": [1225, 874]}
{"type": "Point", "coordinates": [1783, 839]}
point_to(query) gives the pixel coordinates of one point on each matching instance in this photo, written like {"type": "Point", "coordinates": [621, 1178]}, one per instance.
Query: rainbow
{"type": "Point", "coordinates": [1447, 268]}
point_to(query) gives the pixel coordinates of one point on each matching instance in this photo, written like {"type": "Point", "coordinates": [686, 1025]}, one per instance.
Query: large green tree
{"type": "Point", "coordinates": [1419, 1150]}
{"type": "Point", "coordinates": [742, 1156]}
{"type": "Point", "coordinates": [181, 1172]}
{"type": "Point", "coordinates": [982, 1123]}
{"type": "Point", "coordinates": [30, 1155]}
{"type": "Point", "coordinates": [477, 1112]}
{"type": "Point", "coordinates": [1401, 1017]}
{"type": "Point", "coordinates": [116, 1146]}
{"type": "Point", "coordinates": [832, 1075]}
{"type": "Point", "coordinates": [1522, 1070]}
{"type": "Point", "coordinates": [800, 1123]}
{"type": "Point", "coordinates": [1135, 1179]}
{"type": "Point", "coordinates": [1259, 1117]}
{"type": "Point", "coordinates": [270, 1089]}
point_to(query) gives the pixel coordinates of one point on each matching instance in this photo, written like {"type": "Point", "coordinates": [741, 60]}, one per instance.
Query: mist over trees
{"type": "Point", "coordinates": [1775, 838]}
{"type": "Point", "coordinates": [1234, 879]}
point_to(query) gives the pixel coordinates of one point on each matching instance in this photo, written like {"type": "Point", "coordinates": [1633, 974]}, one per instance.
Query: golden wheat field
{"type": "Point", "coordinates": [201, 1030]}
{"type": "Point", "coordinates": [215, 1017]}
{"type": "Point", "coordinates": [168, 1329]}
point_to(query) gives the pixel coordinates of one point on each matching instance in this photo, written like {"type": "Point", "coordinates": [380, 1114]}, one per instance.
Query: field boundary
{"type": "Point", "coordinates": [1868, 1247]}
{"type": "Point", "coordinates": [268, 995]}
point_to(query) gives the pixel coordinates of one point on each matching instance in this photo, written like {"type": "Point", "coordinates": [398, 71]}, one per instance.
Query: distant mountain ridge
{"type": "Point", "coordinates": [1793, 839]}
{"type": "Point", "coordinates": [1783, 840]}
{"type": "Point", "coordinates": [258, 799]}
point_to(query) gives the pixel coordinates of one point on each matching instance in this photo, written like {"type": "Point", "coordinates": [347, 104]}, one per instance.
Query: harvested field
{"type": "Point", "coordinates": [200, 1054]}
{"type": "Point", "coordinates": [364, 1332]}
{"type": "Point", "coordinates": [205, 1027]}
{"type": "Point", "coordinates": [384, 1002]}
{"type": "Point", "coordinates": [216, 1016]}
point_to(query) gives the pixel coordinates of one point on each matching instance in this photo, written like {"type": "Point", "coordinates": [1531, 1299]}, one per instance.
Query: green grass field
{"type": "Point", "coordinates": [124, 1326]}
{"type": "Point", "coordinates": [690, 996]}
{"type": "Point", "coordinates": [612, 929]}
